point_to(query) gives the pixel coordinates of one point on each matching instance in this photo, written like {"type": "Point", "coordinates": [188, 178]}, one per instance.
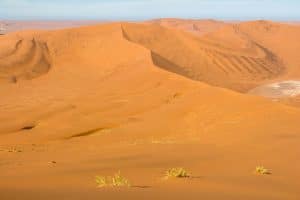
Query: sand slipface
{"type": "Point", "coordinates": [142, 98]}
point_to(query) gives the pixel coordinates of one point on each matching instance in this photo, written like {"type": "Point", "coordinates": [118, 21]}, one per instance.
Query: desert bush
{"type": "Point", "coordinates": [115, 181]}
{"type": "Point", "coordinates": [177, 173]}
{"type": "Point", "coordinates": [262, 170]}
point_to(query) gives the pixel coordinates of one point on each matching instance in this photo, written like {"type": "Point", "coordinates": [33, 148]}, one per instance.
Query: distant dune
{"type": "Point", "coordinates": [145, 97]}
{"type": "Point", "coordinates": [198, 27]}
{"type": "Point", "coordinates": [213, 58]}
{"type": "Point", "coordinates": [16, 25]}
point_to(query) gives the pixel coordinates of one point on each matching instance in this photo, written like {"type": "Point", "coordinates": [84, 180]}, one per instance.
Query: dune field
{"type": "Point", "coordinates": [216, 98]}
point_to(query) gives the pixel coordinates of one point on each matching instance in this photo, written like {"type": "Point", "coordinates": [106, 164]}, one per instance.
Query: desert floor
{"type": "Point", "coordinates": [216, 98]}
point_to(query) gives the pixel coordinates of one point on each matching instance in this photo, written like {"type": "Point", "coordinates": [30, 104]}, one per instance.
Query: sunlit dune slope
{"type": "Point", "coordinates": [110, 62]}
{"type": "Point", "coordinates": [139, 98]}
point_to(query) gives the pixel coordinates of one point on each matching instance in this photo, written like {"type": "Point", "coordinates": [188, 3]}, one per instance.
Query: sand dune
{"type": "Point", "coordinates": [18, 25]}
{"type": "Point", "coordinates": [28, 59]}
{"type": "Point", "coordinates": [209, 59]}
{"type": "Point", "coordinates": [198, 27]}
{"type": "Point", "coordinates": [142, 98]}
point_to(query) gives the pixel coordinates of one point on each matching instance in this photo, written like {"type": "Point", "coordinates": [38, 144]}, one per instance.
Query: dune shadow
{"type": "Point", "coordinates": [86, 133]}
{"type": "Point", "coordinates": [141, 186]}
{"type": "Point", "coordinates": [197, 177]}
{"type": "Point", "coordinates": [170, 66]}
{"type": "Point", "coordinates": [26, 128]}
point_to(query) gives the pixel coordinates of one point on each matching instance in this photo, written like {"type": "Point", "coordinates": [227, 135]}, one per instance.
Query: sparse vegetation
{"type": "Point", "coordinates": [177, 173]}
{"type": "Point", "coordinates": [102, 181]}
{"type": "Point", "coordinates": [262, 170]}
{"type": "Point", "coordinates": [116, 181]}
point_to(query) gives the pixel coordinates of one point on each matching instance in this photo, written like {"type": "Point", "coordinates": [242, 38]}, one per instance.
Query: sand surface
{"type": "Point", "coordinates": [141, 98]}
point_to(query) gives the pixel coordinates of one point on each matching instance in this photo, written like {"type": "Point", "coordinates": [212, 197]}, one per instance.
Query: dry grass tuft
{"type": "Point", "coordinates": [116, 181]}
{"type": "Point", "coordinates": [177, 173]}
{"type": "Point", "coordinates": [262, 170]}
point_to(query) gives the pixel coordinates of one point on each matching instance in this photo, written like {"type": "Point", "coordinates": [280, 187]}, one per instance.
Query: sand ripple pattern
{"type": "Point", "coordinates": [207, 60]}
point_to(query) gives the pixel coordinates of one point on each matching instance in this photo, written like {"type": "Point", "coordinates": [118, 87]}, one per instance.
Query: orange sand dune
{"type": "Point", "coordinates": [240, 65]}
{"type": "Point", "coordinates": [139, 98]}
{"type": "Point", "coordinates": [271, 51]}
{"type": "Point", "coordinates": [279, 38]}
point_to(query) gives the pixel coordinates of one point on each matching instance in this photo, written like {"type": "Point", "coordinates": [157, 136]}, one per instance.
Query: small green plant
{"type": "Point", "coordinates": [262, 170]}
{"type": "Point", "coordinates": [177, 173]}
{"type": "Point", "coordinates": [116, 181]}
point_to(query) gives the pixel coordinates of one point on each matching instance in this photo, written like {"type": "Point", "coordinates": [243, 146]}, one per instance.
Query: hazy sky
{"type": "Point", "coordinates": [144, 9]}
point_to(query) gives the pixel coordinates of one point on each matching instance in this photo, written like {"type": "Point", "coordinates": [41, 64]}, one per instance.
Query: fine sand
{"type": "Point", "coordinates": [141, 98]}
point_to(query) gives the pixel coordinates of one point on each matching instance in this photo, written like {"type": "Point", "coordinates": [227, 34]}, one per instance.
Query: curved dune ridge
{"type": "Point", "coordinates": [207, 60]}
{"type": "Point", "coordinates": [27, 60]}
